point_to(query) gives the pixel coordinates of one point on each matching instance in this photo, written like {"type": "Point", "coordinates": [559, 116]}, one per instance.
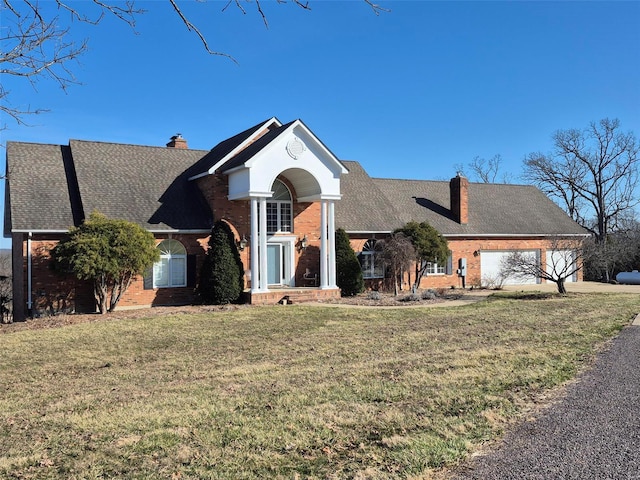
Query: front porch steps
{"type": "Point", "coordinates": [293, 295]}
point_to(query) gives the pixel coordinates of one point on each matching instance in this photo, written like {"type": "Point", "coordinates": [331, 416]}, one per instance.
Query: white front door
{"type": "Point", "coordinates": [275, 264]}
{"type": "Point", "coordinates": [281, 260]}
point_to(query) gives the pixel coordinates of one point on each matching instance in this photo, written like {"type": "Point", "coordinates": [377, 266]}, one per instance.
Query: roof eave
{"type": "Point", "coordinates": [250, 139]}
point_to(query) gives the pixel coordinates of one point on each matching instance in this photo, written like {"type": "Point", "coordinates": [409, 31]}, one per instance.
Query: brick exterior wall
{"type": "Point", "coordinates": [306, 221]}
{"type": "Point", "coordinates": [52, 293]}
{"type": "Point", "coordinates": [469, 249]}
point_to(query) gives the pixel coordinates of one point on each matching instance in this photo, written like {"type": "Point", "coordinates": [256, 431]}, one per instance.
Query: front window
{"type": "Point", "coordinates": [279, 209]}
{"type": "Point", "coordinates": [370, 260]}
{"type": "Point", "coordinates": [171, 269]}
{"type": "Point", "coordinates": [434, 268]}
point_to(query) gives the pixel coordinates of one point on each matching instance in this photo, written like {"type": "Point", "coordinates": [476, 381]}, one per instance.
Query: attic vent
{"type": "Point", "coordinates": [295, 148]}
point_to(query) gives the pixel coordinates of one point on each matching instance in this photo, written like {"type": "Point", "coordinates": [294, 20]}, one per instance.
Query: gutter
{"type": "Point", "coordinates": [29, 276]}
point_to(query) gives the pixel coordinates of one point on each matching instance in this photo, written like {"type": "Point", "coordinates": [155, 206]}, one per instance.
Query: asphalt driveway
{"type": "Point", "coordinates": [593, 432]}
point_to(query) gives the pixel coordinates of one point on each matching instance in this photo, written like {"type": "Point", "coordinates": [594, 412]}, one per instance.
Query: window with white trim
{"type": "Point", "coordinates": [434, 268]}
{"type": "Point", "coordinates": [171, 269]}
{"type": "Point", "coordinates": [279, 208]}
{"type": "Point", "coordinates": [370, 261]}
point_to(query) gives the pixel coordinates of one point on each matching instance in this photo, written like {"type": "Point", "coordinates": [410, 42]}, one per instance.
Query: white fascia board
{"type": "Point", "coordinates": [185, 232]}
{"type": "Point", "coordinates": [20, 230]}
{"type": "Point", "coordinates": [41, 231]}
{"type": "Point", "coordinates": [369, 232]}
{"type": "Point", "coordinates": [239, 148]}
{"type": "Point", "coordinates": [235, 169]}
{"type": "Point", "coordinates": [319, 198]}
{"type": "Point", "coordinates": [252, 194]}
{"type": "Point", "coordinates": [515, 235]}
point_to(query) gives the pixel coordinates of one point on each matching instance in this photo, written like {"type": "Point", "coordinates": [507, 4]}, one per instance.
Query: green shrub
{"type": "Point", "coordinates": [221, 277]}
{"type": "Point", "coordinates": [348, 271]}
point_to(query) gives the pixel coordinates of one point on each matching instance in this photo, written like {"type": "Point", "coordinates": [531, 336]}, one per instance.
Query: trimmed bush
{"type": "Point", "coordinates": [221, 277]}
{"type": "Point", "coordinates": [348, 271]}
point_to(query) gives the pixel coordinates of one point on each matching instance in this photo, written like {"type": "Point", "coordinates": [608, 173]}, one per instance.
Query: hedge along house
{"type": "Point", "coordinates": [282, 191]}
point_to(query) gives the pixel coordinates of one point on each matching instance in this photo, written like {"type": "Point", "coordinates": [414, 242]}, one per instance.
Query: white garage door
{"type": "Point", "coordinates": [561, 262]}
{"type": "Point", "coordinates": [491, 264]}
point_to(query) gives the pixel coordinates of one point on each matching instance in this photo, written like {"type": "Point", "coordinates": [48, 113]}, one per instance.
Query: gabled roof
{"type": "Point", "coordinates": [380, 204]}
{"type": "Point", "coordinates": [53, 187]}
{"type": "Point", "coordinates": [226, 150]}
{"type": "Point", "coordinates": [248, 153]}
{"type": "Point", "coordinates": [38, 196]}
{"type": "Point", "coordinates": [364, 208]}
{"type": "Point", "coordinates": [241, 149]}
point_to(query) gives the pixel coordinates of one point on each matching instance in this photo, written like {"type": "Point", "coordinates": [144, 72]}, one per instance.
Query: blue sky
{"type": "Point", "coordinates": [409, 93]}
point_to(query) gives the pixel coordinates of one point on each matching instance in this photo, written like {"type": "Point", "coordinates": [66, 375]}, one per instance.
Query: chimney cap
{"type": "Point", "coordinates": [177, 141]}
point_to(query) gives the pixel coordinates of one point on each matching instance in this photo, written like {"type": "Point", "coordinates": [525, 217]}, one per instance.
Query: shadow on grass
{"type": "Point", "coordinates": [524, 295]}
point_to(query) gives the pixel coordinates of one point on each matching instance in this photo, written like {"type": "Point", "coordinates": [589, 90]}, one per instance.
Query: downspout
{"type": "Point", "coordinates": [29, 295]}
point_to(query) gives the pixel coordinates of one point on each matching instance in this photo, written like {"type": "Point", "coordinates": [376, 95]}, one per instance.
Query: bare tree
{"type": "Point", "coordinates": [566, 258]}
{"type": "Point", "coordinates": [592, 173]}
{"type": "Point", "coordinates": [619, 253]}
{"type": "Point", "coordinates": [398, 255]}
{"type": "Point", "coordinates": [486, 171]}
{"type": "Point", "coordinates": [37, 41]}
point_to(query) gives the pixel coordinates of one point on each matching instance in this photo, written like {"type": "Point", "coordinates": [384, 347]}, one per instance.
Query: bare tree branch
{"type": "Point", "coordinates": [565, 258]}
{"type": "Point", "coordinates": [192, 28]}
{"type": "Point", "coordinates": [593, 173]}
{"type": "Point", "coordinates": [36, 43]}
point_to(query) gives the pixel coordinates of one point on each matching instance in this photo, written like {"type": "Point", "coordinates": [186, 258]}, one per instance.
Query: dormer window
{"type": "Point", "coordinates": [279, 208]}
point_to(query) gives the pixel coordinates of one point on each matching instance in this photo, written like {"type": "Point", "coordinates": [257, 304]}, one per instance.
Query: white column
{"type": "Point", "coordinates": [254, 252]}
{"type": "Point", "coordinates": [324, 270]}
{"type": "Point", "coordinates": [263, 244]}
{"type": "Point", "coordinates": [332, 245]}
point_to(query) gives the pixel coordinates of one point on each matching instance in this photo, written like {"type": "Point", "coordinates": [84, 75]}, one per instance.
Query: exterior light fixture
{"type": "Point", "coordinates": [304, 243]}
{"type": "Point", "coordinates": [242, 243]}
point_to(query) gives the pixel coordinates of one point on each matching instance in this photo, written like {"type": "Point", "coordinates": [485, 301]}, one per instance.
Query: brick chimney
{"type": "Point", "coordinates": [177, 142]}
{"type": "Point", "coordinates": [459, 191]}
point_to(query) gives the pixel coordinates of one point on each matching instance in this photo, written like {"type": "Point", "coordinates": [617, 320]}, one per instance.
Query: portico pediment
{"type": "Point", "coordinates": [292, 151]}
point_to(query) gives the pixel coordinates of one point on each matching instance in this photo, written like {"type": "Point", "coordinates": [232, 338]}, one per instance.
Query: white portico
{"type": "Point", "coordinates": [280, 170]}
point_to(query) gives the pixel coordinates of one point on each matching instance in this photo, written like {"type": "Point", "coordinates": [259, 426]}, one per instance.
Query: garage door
{"type": "Point", "coordinates": [491, 264]}
{"type": "Point", "coordinates": [561, 261]}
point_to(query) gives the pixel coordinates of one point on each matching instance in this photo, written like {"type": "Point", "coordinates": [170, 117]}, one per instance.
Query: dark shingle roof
{"type": "Point", "coordinates": [380, 204]}
{"type": "Point", "coordinates": [364, 208]}
{"type": "Point", "coordinates": [494, 209]}
{"type": "Point", "coordinates": [38, 193]}
{"type": "Point", "coordinates": [53, 187]}
{"type": "Point", "coordinates": [251, 150]}
{"type": "Point", "coordinates": [146, 185]}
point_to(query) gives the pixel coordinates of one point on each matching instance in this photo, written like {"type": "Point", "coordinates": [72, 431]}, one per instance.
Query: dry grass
{"type": "Point", "coordinates": [287, 392]}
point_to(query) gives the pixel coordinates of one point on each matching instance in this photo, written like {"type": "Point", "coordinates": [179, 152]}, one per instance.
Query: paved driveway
{"type": "Point", "coordinates": [591, 433]}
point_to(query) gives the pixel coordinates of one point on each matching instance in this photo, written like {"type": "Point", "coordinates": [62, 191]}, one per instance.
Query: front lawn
{"type": "Point", "coordinates": [288, 392]}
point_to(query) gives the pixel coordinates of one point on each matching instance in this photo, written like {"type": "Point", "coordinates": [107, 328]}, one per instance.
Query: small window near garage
{"type": "Point", "coordinates": [370, 260]}
{"type": "Point", "coordinates": [445, 268]}
{"type": "Point", "coordinates": [434, 268]}
{"type": "Point", "coordinates": [171, 269]}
